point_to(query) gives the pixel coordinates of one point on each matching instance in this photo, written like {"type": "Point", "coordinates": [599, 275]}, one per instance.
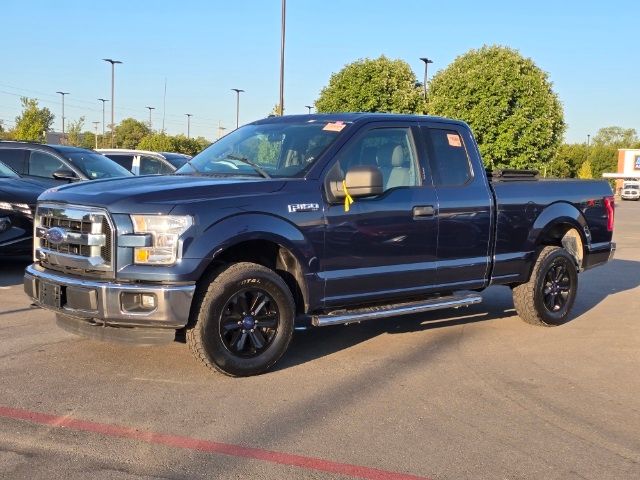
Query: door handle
{"type": "Point", "coordinates": [423, 211]}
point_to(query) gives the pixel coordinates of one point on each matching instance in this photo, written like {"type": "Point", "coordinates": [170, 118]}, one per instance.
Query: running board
{"type": "Point", "coordinates": [384, 311]}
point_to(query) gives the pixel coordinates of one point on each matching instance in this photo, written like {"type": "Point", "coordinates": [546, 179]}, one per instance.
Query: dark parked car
{"type": "Point", "coordinates": [142, 162]}
{"type": "Point", "coordinates": [17, 205]}
{"type": "Point", "coordinates": [58, 164]}
{"type": "Point", "coordinates": [316, 219]}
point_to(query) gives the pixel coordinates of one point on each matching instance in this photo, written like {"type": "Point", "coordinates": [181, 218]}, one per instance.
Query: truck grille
{"type": "Point", "coordinates": [73, 239]}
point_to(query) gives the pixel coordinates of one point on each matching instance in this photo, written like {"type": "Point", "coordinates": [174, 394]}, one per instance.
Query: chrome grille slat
{"type": "Point", "coordinates": [85, 239]}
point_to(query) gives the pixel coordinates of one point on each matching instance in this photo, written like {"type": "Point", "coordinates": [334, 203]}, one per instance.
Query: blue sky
{"type": "Point", "coordinates": [591, 51]}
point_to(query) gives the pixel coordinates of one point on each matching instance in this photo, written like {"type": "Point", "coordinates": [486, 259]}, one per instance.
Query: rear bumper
{"type": "Point", "coordinates": [88, 303]}
{"type": "Point", "coordinates": [598, 254]}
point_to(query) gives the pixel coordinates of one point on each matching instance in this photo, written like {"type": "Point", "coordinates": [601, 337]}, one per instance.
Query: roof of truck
{"type": "Point", "coordinates": [357, 117]}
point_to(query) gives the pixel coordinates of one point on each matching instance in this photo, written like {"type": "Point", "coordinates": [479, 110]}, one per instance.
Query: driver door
{"type": "Point", "coordinates": [383, 247]}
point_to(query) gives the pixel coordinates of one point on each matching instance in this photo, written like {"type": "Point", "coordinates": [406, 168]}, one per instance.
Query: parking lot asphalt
{"type": "Point", "coordinates": [463, 394]}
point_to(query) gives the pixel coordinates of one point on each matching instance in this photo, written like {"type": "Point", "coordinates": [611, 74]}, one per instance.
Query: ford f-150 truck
{"type": "Point", "coordinates": [313, 220]}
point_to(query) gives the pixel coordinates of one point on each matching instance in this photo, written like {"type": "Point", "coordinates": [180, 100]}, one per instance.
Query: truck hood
{"type": "Point", "coordinates": [157, 194]}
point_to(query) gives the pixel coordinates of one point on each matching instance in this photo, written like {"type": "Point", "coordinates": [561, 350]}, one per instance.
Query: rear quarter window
{"type": "Point", "coordinates": [448, 156]}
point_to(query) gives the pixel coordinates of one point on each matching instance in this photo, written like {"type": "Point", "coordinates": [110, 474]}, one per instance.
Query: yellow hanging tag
{"type": "Point", "coordinates": [348, 200]}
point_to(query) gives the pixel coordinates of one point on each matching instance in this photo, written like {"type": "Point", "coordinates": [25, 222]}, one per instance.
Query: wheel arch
{"type": "Point", "coordinates": [563, 225]}
{"type": "Point", "coordinates": [264, 240]}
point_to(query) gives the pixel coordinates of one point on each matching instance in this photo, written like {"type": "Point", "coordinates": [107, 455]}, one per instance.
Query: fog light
{"type": "Point", "coordinates": [138, 302]}
{"type": "Point", "coordinates": [148, 300]}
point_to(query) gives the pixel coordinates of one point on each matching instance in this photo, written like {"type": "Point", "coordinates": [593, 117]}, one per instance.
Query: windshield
{"type": "Point", "coordinates": [7, 172]}
{"type": "Point", "coordinates": [95, 166]}
{"type": "Point", "coordinates": [632, 187]}
{"type": "Point", "coordinates": [277, 149]}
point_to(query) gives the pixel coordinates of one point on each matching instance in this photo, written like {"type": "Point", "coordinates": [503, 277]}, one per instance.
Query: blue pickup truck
{"type": "Point", "coordinates": [311, 220]}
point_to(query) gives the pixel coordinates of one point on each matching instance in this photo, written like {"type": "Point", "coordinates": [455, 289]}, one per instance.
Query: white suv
{"type": "Point", "coordinates": [631, 191]}
{"type": "Point", "coordinates": [141, 162]}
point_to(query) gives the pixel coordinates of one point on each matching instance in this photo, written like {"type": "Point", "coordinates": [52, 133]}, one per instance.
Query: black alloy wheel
{"type": "Point", "coordinates": [557, 286]}
{"type": "Point", "coordinates": [249, 322]}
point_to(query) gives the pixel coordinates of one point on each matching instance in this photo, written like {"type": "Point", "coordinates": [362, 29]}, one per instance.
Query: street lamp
{"type": "Point", "coordinates": [221, 129]}
{"type": "Point", "coordinates": [282, 34]}
{"type": "Point", "coordinates": [150, 108]}
{"type": "Point", "coordinates": [63, 94]}
{"type": "Point", "coordinates": [238, 91]}
{"type": "Point", "coordinates": [309, 107]}
{"type": "Point", "coordinates": [588, 139]}
{"type": "Point", "coordinates": [113, 74]}
{"type": "Point", "coordinates": [103, 100]}
{"type": "Point", "coordinates": [189, 115]}
{"type": "Point", "coordinates": [426, 65]}
{"type": "Point", "coordinates": [95, 125]}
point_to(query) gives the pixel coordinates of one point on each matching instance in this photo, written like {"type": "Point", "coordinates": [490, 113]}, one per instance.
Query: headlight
{"type": "Point", "coordinates": [165, 231]}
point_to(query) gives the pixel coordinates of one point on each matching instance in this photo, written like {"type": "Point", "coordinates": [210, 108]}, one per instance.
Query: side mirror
{"type": "Point", "coordinates": [361, 181]}
{"type": "Point", "coordinates": [64, 174]}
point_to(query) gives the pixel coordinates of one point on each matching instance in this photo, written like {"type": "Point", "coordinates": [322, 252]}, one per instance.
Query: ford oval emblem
{"type": "Point", "coordinates": [56, 235]}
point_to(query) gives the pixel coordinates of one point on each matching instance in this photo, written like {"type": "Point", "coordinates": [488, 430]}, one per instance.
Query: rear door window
{"type": "Point", "coordinates": [15, 158]}
{"type": "Point", "coordinates": [43, 165]}
{"type": "Point", "coordinates": [153, 166]}
{"type": "Point", "coordinates": [125, 161]}
{"type": "Point", "coordinates": [448, 156]}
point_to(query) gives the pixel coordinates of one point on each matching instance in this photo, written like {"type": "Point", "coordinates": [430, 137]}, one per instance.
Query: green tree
{"type": "Point", "coordinates": [188, 146]}
{"type": "Point", "coordinates": [603, 158]}
{"type": "Point", "coordinates": [617, 137]}
{"type": "Point", "coordinates": [508, 102]}
{"type": "Point", "coordinates": [88, 140]}
{"type": "Point", "coordinates": [585, 170]}
{"type": "Point", "coordinates": [33, 122]}
{"type": "Point", "coordinates": [74, 132]}
{"type": "Point", "coordinates": [157, 142]}
{"type": "Point", "coordinates": [130, 132]}
{"type": "Point", "coordinates": [569, 159]}
{"type": "Point", "coordinates": [378, 85]}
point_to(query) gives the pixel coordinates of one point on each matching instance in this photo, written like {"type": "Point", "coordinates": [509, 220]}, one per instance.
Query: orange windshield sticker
{"type": "Point", "coordinates": [334, 127]}
{"type": "Point", "coordinates": [454, 139]}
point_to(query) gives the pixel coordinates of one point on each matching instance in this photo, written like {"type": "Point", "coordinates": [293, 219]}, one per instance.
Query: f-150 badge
{"type": "Point", "coordinates": [303, 207]}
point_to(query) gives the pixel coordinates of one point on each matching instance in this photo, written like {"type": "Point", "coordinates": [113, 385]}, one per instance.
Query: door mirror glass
{"type": "Point", "coordinates": [64, 174]}
{"type": "Point", "coordinates": [361, 181]}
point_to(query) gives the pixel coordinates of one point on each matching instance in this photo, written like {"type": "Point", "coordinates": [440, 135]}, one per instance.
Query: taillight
{"type": "Point", "coordinates": [609, 205]}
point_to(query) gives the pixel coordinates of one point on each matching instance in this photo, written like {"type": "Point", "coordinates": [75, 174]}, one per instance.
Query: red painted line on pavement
{"type": "Point", "coordinates": [309, 463]}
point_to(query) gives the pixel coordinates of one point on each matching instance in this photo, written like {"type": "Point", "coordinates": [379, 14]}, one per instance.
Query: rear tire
{"type": "Point", "coordinates": [547, 298]}
{"type": "Point", "coordinates": [244, 320]}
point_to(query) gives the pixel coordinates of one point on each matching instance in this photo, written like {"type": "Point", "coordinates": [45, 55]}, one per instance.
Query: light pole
{"type": "Point", "coordinates": [221, 129]}
{"type": "Point", "coordinates": [189, 115]}
{"type": "Point", "coordinates": [95, 125]}
{"type": "Point", "coordinates": [150, 108]}
{"type": "Point", "coordinates": [103, 100]}
{"type": "Point", "coordinates": [282, 35]}
{"type": "Point", "coordinates": [588, 139]}
{"type": "Point", "coordinates": [309, 107]}
{"type": "Point", "coordinates": [426, 65]}
{"type": "Point", "coordinates": [113, 76]}
{"type": "Point", "coordinates": [63, 94]}
{"type": "Point", "coordinates": [238, 91]}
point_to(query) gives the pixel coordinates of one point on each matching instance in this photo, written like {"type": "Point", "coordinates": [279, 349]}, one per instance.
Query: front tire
{"type": "Point", "coordinates": [244, 320]}
{"type": "Point", "coordinates": [547, 298]}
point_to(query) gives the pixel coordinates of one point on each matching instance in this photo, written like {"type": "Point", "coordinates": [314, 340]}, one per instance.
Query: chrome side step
{"type": "Point", "coordinates": [384, 311]}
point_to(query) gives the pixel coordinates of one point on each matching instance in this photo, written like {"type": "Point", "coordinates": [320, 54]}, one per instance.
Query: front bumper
{"type": "Point", "coordinates": [100, 303]}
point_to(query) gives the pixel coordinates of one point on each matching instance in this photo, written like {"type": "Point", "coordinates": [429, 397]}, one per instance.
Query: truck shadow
{"type": "Point", "coordinates": [594, 286]}
{"type": "Point", "coordinates": [12, 270]}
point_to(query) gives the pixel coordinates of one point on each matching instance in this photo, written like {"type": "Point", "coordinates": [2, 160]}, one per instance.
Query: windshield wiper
{"type": "Point", "coordinates": [255, 166]}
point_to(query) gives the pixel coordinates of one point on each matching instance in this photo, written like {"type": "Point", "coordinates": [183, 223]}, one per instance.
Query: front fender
{"type": "Point", "coordinates": [252, 226]}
